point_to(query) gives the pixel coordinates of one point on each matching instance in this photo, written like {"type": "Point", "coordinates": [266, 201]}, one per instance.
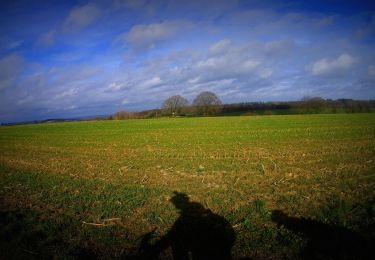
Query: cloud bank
{"type": "Point", "coordinates": [103, 56]}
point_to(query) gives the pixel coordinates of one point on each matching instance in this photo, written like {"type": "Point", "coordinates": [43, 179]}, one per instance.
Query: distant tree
{"type": "Point", "coordinates": [206, 101]}
{"type": "Point", "coordinates": [121, 115]}
{"type": "Point", "coordinates": [314, 104]}
{"type": "Point", "coordinates": [174, 104]}
{"type": "Point", "coordinates": [308, 98]}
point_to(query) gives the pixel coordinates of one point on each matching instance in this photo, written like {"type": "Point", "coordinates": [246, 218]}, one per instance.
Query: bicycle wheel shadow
{"type": "Point", "coordinates": [198, 233]}
{"type": "Point", "coordinates": [325, 241]}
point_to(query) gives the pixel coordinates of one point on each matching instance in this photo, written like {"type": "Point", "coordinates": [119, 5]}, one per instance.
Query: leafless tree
{"type": "Point", "coordinates": [174, 104]}
{"type": "Point", "coordinates": [121, 115]}
{"type": "Point", "coordinates": [314, 104]}
{"type": "Point", "coordinates": [206, 101]}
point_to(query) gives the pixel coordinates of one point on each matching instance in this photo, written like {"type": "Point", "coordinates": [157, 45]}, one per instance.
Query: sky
{"type": "Point", "coordinates": [64, 59]}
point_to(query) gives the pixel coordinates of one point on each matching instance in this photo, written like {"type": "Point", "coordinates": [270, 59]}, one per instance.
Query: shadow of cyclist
{"type": "Point", "coordinates": [198, 233]}
{"type": "Point", "coordinates": [325, 241]}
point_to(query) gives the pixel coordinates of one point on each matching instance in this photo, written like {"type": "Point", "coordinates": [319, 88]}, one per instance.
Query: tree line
{"type": "Point", "coordinates": [204, 104]}
{"type": "Point", "coordinates": [208, 103]}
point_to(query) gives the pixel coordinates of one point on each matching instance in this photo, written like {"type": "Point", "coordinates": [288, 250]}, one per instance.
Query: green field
{"type": "Point", "coordinates": [290, 186]}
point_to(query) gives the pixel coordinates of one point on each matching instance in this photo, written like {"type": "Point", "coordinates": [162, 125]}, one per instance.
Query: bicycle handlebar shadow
{"type": "Point", "coordinates": [198, 233]}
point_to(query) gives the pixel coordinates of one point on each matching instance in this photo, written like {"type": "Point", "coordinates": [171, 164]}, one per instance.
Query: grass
{"type": "Point", "coordinates": [67, 177]}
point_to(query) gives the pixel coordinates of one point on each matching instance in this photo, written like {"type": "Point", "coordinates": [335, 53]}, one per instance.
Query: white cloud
{"type": "Point", "coordinates": [81, 17]}
{"type": "Point", "coordinates": [325, 66]}
{"type": "Point", "coordinates": [194, 80]}
{"type": "Point", "coordinates": [47, 39]}
{"type": "Point", "coordinates": [227, 69]}
{"type": "Point", "coordinates": [25, 100]}
{"type": "Point", "coordinates": [276, 47]}
{"type": "Point", "coordinates": [220, 46]}
{"type": "Point", "coordinates": [131, 4]}
{"type": "Point", "coordinates": [367, 29]}
{"type": "Point", "coordinates": [250, 64]}
{"type": "Point", "coordinates": [263, 54]}
{"type": "Point", "coordinates": [371, 70]}
{"type": "Point", "coordinates": [69, 56]}
{"type": "Point", "coordinates": [67, 93]}
{"type": "Point", "coordinates": [10, 67]}
{"type": "Point", "coordinates": [8, 43]}
{"type": "Point", "coordinates": [88, 71]}
{"type": "Point", "coordinates": [71, 107]}
{"type": "Point", "coordinates": [125, 101]}
{"type": "Point", "coordinates": [14, 45]}
{"type": "Point", "coordinates": [143, 35]}
{"type": "Point", "coordinates": [326, 21]}
{"type": "Point", "coordinates": [115, 86]}
{"type": "Point", "coordinates": [228, 60]}
{"type": "Point", "coordinates": [155, 81]}
{"type": "Point", "coordinates": [265, 73]}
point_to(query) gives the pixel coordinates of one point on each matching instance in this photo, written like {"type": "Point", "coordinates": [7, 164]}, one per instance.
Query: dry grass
{"type": "Point", "coordinates": [89, 171]}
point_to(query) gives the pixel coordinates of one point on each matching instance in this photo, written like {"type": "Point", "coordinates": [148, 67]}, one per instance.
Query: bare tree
{"type": "Point", "coordinates": [314, 104]}
{"type": "Point", "coordinates": [121, 115]}
{"type": "Point", "coordinates": [206, 101]}
{"type": "Point", "coordinates": [174, 104]}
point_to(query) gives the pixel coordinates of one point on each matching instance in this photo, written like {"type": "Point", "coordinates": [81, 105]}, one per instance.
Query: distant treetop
{"type": "Point", "coordinates": [205, 100]}
{"type": "Point", "coordinates": [174, 104]}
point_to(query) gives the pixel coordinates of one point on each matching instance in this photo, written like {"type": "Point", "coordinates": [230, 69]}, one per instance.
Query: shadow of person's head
{"type": "Point", "coordinates": [182, 202]}
{"type": "Point", "coordinates": [280, 217]}
{"type": "Point", "coordinates": [197, 233]}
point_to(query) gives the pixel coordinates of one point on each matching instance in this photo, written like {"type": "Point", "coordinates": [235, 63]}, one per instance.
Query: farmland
{"type": "Point", "coordinates": [94, 188]}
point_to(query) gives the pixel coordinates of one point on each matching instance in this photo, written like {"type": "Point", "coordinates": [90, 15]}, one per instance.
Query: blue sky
{"type": "Point", "coordinates": [78, 58]}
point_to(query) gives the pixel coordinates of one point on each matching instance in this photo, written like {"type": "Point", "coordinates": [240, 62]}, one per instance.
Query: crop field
{"type": "Point", "coordinates": [259, 187]}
